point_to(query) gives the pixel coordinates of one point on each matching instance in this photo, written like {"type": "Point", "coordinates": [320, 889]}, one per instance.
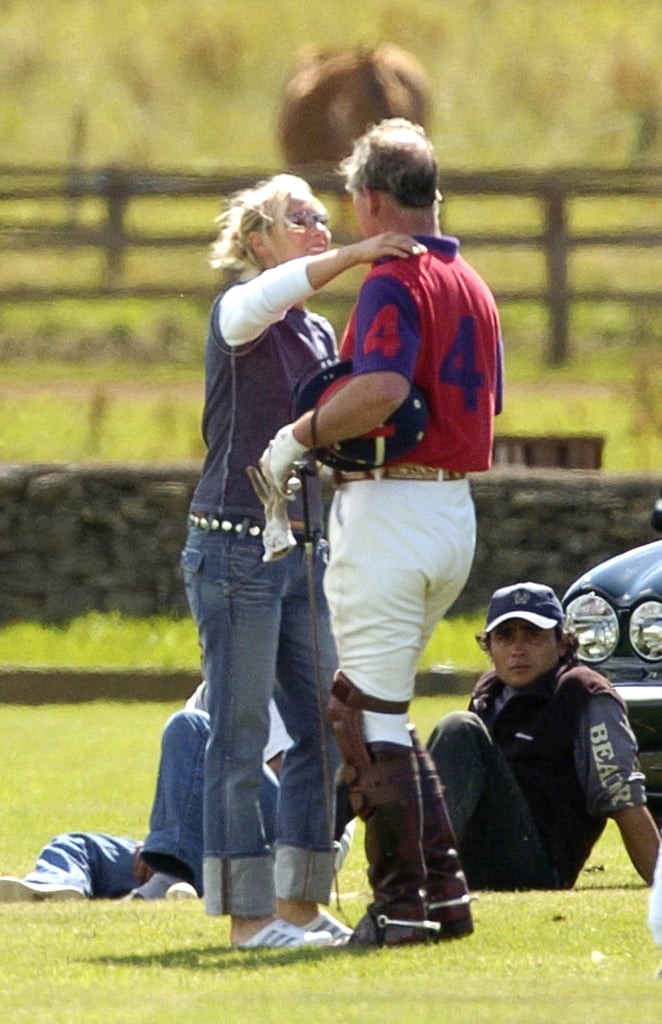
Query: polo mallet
{"type": "Point", "coordinates": [303, 470]}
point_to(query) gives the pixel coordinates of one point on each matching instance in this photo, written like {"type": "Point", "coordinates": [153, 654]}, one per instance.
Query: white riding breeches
{"type": "Point", "coordinates": [400, 554]}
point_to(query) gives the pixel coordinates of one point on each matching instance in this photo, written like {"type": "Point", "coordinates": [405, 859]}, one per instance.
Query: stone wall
{"type": "Point", "coordinates": [80, 538]}
{"type": "Point", "coordinates": [552, 525]}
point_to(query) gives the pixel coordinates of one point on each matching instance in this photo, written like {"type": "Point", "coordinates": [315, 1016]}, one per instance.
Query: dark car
{"type": "Point", "coordinates": [615, 611]}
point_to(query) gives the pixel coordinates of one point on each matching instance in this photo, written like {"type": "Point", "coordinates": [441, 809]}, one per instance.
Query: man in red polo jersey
{"type": "Point", "coordinates": [402, 535]}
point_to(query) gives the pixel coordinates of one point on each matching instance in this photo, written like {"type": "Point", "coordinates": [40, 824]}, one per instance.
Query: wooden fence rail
{"type": "Point", "coordinates": [137, 223]}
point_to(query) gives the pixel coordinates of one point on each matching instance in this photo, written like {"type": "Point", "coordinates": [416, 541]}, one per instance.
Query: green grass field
{"type": "Point", "coordinates": [535, 958]}
{"type": "Point", "coordinates": [513, 83]}
{"type": "Point", "coordinates": [113, 641]}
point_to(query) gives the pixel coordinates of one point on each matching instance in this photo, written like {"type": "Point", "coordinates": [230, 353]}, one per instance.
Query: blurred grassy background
{"type": "Point", "coordinates": [158, 82]}
{"type": "Point", "coordinates": [514, 84]}
{"type": "Point", "coordinates": [116, 641]}
{"type": "Point", "coordinates": [118, 411]}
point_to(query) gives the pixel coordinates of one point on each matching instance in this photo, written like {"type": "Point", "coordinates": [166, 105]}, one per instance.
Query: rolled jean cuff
{"type": "Point", "coordinates": [303, 874]}
{"type": "Point", "coordinates": [241, 886]}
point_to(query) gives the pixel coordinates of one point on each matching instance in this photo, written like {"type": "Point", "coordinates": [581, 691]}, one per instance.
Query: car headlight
{"type": "Point", "coordinates": [595, 624]}
{"type": "Point", "coordinates": [646, 630]}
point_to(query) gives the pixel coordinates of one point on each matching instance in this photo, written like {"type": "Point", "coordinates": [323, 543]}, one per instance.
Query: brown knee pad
{"type": "Point", "coordinates": [346, 705]}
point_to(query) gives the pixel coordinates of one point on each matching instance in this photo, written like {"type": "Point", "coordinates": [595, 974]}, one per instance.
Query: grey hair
{"type": "Point", "coordinates": [394, 156]}
{"type": "Point", "coordinates": [259, 208]}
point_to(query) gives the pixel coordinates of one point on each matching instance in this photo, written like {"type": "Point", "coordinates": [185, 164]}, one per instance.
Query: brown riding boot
{"type": "Point", "coordinates": [447, 895]}
{"type": "Point", "coordinates": [396, 869]}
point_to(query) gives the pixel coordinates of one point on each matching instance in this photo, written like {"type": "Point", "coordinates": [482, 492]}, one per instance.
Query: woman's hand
{"type": "Point", "coordinates": [326, 266]}
{"type": "Point", "coordinates": [389, 243]}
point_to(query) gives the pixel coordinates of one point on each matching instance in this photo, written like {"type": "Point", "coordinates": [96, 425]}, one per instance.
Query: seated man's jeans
{"type": "Point", "coordinates": [498, 842]}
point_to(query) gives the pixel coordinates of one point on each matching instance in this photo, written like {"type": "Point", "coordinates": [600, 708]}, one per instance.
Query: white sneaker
{"type": "Point", "coordinates": [325, 922]}
{"type": "Point", "coordinates": [181, 891]}
{"type": "Point", "coordinates": [156, 887]}
{"type": "Point", "coordinates": [17, 890]}
{"type": "Point", "coordinates": [280, 934]}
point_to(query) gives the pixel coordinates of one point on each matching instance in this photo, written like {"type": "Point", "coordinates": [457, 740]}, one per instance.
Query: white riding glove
{"type": "Point", "coordinates": [277, 538]}
{"type": "Point", "coordinates": [277, 459]}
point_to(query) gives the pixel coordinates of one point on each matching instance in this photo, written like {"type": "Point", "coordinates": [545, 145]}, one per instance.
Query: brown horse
{"type": "Point", "coordinates": [334, 96]}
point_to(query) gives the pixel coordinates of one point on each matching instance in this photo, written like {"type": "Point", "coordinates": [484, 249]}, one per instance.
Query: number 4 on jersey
{"type": "Point", "coordinates": [459, 366]}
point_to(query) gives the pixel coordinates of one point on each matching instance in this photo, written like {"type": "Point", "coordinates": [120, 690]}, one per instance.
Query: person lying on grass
{"type": "Point", "coordinates": [97, 865]}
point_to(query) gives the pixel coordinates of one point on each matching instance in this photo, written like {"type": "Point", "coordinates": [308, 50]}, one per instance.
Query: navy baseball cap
{"type": "Point", "coordinates": [533, 602]}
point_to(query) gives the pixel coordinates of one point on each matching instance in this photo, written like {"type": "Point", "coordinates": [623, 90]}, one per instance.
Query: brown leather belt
{"type": "Point", "coordinates": [403, 471]}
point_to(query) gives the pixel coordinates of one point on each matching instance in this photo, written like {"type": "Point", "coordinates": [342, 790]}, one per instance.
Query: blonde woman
{"type": "Point", "coordinates": [253, 616]}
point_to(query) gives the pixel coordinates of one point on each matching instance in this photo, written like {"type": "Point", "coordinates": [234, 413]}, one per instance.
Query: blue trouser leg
{"type": "Point", "coordinates": [175, 839]}
{"type": "Point", "coordinates": [174, 843]}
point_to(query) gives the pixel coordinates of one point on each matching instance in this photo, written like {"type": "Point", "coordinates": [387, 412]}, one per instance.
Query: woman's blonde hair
{"type": "Point", "coordinates": [252, 209]}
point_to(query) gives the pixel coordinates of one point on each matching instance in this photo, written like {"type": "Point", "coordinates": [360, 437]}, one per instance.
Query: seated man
{"type": "Point", "coordinates": [542, 758]}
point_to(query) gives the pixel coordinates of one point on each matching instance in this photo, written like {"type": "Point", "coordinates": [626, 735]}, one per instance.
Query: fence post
{"type": "Point", "coordinates": [118, 192]}
{"type": "Point", "coordinates": [556, 258]}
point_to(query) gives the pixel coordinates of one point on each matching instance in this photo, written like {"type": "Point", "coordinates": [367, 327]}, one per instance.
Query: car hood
{"type": "Point", "coordinates": [633, 575]}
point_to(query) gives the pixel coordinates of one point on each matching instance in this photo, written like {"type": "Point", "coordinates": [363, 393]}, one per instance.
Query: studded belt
{"type": "Point", "coordinates": [404, 471]}
{"type": "Point", "coordinates": [240, 526]}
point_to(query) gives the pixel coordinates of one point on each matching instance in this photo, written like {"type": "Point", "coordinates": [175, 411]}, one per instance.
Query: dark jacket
{"type": "Point", "coordinates": [536, 732]}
